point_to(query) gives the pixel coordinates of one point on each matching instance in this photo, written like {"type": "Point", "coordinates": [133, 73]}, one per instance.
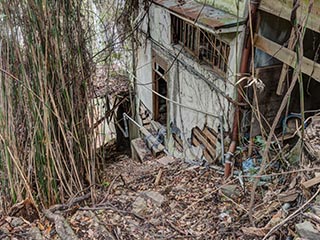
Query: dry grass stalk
{"type": "Point", "coordinates": [46, 151]}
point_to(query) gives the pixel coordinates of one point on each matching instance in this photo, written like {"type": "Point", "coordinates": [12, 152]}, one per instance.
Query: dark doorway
{"type": "Point", "coordinates": [159, 103]}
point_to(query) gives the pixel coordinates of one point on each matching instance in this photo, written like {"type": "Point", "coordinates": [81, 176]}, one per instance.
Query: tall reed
{"type": "Point", "coordinates": [45, 139]}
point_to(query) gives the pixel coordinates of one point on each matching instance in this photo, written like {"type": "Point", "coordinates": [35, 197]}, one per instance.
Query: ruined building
{"type": "Point", "coordinates": [192, 55]}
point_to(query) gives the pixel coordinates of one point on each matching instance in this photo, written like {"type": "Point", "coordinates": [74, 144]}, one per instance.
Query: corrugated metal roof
{"type": "Point", "coordinates": [205, 15]}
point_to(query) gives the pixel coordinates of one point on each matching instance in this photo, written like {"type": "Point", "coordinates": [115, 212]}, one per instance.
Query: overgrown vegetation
{"type": "Point", "coordinates": [46, 151]}
{"type": "Point", "coordinates": [49, 53]}
{"type": "Point", "coordinates": [45, 73]}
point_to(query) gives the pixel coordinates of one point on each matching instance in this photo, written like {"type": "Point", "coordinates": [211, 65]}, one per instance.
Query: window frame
{"type": "Point", "coordinates": [219, 60]}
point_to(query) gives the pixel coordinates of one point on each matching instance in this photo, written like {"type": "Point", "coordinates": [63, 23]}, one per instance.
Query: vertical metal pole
{"type": "Point", "coordinates": [126, 133]}
{"type": "Point", "coordinates": [222, 139]}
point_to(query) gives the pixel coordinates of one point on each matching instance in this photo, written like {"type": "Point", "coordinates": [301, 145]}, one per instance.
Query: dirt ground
{"type": "Point", "coordinates": [163, 198]}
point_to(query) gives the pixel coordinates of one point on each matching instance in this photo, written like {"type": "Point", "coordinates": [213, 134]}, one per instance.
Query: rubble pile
{"type": "Point", "coordinates": [168, 198]}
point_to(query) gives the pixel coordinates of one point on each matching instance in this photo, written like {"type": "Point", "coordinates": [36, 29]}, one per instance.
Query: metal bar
{"type": "Point", "coordinates": [222, 140]}
{"type": "Point", "coordinates": [126, 117]}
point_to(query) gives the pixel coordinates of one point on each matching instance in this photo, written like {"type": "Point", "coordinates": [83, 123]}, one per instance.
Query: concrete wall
{"type": "Point", "coordinates": [189, 82]}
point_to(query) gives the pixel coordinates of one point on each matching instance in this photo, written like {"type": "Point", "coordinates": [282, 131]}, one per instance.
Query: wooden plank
{"type": "Point", "coordinates": [198, 134]}
{"type": "Point", "coordinates": [211, 137]}
{"type": "Point", "coordinates": [195, 142]}
{"type": "Point", "coordinates": [155, 125]}
{"type": "Point", "coordinates": [283, 9]}
{"type": "Point", "coordinates": [287, 56]}
{"type": "Point", "coordinates": [311, 182]}
{"type": "Point", "coordinates": [178, 142]}
{"type": "Point", "coordinates": [207, 156]}
{"type": "Point", "coordinates": [146, 121]}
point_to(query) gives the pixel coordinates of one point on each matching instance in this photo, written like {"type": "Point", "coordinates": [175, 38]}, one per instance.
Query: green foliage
{"type": "Point", "coordinates": [106, 184]}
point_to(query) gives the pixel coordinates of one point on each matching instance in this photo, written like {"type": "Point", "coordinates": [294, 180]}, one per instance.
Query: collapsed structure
{"type": "Point", "coordinates": [200, 66]}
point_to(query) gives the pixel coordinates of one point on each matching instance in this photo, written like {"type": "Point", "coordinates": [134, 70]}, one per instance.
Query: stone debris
{"type": "Point", "coordinates": [307, 231]}
{"type": "Point", "coordinates": [35, 234]}
{"type": "Point", "coordinates": [139, 206]}
{"type": "Point", "coordinates": [155, 197]}
{"type": "Point", "coordinates": [231, 191]}
{"type": "Point", "coordinates": [166, 160]}
{"type": "Point", "coordinates": [188, 202]}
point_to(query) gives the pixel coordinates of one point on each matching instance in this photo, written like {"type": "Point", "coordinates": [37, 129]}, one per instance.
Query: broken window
{"type": "Point", "coordinates": [202, 44]}
{"type": "Point", "coordinates": [177, 29]}
{"type": "Point", "coordinates": [184, 33]}
{"type": "Point", "coordinates": [214, 51]}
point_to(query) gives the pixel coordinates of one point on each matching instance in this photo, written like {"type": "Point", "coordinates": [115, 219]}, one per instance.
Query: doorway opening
{"type": "Point", "coordinates": [159, 86]}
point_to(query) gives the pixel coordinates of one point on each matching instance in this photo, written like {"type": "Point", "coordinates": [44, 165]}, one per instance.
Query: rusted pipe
{"type": "Point", "coordinates": [244, 68]}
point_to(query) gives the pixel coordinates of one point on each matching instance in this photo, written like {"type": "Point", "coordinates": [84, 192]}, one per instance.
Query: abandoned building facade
{"type": "Point", "coordinates": [192, 55]}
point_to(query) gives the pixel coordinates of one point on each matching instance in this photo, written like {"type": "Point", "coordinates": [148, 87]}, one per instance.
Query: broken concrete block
{"type": "Point", "coordinates": [140, 151]}
{"type": "Point", "coordinates": [166, 160]}
{"type": "Point", "coordinates": [155, 197]}
{"type": "Point", "coordinates": [230, 191]}
{"type": "Point", "coordinates": [16, 222]}
{"type": "Point", "coordinates": [35, 234]}
{"type": "Point", "coordinates": [307, 231]}
{"type": "Point", "coordinates": [139, 206]}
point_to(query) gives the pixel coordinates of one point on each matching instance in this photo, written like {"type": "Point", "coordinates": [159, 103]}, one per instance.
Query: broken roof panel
{"type": "Point", "coordinates": [284, 9]}
{"type": "Point", "coordinates": [203, 14]}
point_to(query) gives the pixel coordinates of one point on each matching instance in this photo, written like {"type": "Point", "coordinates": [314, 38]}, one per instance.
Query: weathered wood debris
{"type": "Point", "coordinates": [168, 198]}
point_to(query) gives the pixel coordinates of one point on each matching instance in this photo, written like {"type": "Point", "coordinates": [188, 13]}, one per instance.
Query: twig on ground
{"type": "Point", "coordinates": [73, 201]}
{"type": "Point", "coordinates": [282, 173]}
{"type": "Point", "coordinates": [176, 228]}
{"type": "Point", "coordinates": [291, 215]}
{"type": "Point", "coordinates": [231, 200]}
{"type": "Point", "coordinates": [312, 216]}
{"type": "Point", "coordinates": [109, 206]}
{"type": "Point", "coordinates": [203, 198]}
{"type": "Point", "coordinates": [109, 189]}
{"type": "Point", "coordinates": [158, 178]}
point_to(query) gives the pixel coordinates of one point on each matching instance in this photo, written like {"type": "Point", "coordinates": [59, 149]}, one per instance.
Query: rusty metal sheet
{"type": "Point", "coordinates": [205, 15]}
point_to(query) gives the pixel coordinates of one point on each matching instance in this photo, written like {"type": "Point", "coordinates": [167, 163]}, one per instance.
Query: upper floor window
{"type": "Point", "coordinates": [214, 51]}
{"type": "Point", "coordinates": [202, 44]}
{"type": "Point", "coordinates": [184, 33]}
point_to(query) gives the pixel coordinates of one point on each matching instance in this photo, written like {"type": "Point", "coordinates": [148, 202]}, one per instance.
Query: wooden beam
{"type": "Point", "coordinates": [212, 138]}
{"type": "Point", "coordinates": [138, 151]}
{"type": "Point", "coordinates": [283, 9]}
{"type": "Point", "coordinates": [195, 142]}
{"type": "Point", "coordinates": [287, 56]}
{"type": "Point", "coordinates": [311, 182]}
{"type": "Point", "coordinates": [285, 67]}
{"type": "Point", "coordinates": [198, 134]}
{"type": "Point", "coordinates": [207, 156]}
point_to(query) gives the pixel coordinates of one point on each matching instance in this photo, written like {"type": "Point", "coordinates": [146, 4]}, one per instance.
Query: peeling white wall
{"type": "Point", "coordinates": [144, 74]}
{"type": "Point", "coordinates": [189, 82]}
